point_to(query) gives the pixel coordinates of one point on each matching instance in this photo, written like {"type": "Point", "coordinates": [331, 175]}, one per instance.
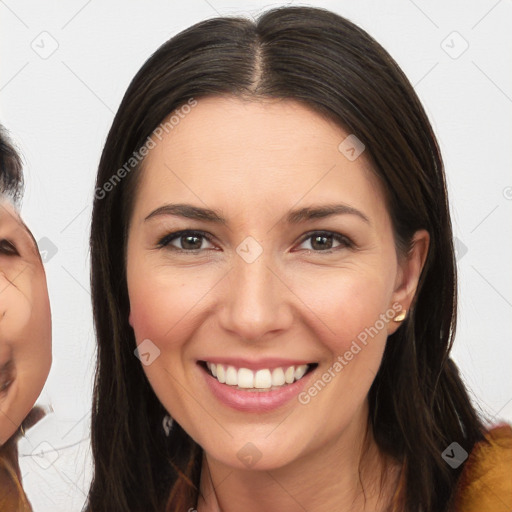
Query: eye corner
{"type": "Point", "coordinates": [8, 248]}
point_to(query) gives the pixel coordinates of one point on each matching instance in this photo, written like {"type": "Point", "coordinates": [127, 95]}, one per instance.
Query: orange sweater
{"type": "Point", "coordinates": [485, 484]}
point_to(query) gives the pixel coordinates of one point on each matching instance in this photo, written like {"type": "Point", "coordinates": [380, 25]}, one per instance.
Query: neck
{"type": "Point", "coordinates": [349, 474]}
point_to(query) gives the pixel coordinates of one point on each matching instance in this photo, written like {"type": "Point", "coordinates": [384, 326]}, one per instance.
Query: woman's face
{"type": "Point", "coordinates": [271, 286]}
{"type": "Point", "coordinates": [25, 322]}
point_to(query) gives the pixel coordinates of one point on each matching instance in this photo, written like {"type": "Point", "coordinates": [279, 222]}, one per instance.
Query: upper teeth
{"type": "Point", "coordinates": [260, 379]}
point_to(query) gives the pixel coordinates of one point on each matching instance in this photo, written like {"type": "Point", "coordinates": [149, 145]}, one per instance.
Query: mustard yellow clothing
{"type": "Point", "coordinates": [485, 484]}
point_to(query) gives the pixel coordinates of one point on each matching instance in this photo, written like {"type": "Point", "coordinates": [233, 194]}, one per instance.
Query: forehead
{"type": "Point", "coordinates": [235, 127]}
{"type": "Point", "coordinates": [9, 215]}
{"type": "Point", "coordinates": [255, 154]}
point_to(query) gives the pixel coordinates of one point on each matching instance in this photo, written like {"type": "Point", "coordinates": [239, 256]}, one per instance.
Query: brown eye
{"type": "Point", "coordinates": [8, 248]}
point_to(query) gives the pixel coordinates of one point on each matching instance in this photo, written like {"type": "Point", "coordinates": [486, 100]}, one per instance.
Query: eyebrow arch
{"type": "Point", "coordinates": [294, 217]}
{"type": "Point", "coordinates": [320, 212]}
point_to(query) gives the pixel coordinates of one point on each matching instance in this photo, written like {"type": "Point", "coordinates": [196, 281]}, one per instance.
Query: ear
{"type": "Point", "coordinates": [130, 319]}
{"type": "Point", "coordinates": [410, 266]}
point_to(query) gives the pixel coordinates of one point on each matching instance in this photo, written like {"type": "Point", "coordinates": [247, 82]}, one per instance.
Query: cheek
{"type": "Point", "coordinates": [350, 306]}
{"type": "Point", "coordinates": [161, 304]}
{"type": "Point", "coordinates": [354, 310]}
{"type": "Point", "coordinates": [15, 311]}
{"type": "Point", "coordinates": [152, 313]}
{"type": "Point", "coordinates": [41, 319]}
{"type": "Point", "coordinates": [162, 311]}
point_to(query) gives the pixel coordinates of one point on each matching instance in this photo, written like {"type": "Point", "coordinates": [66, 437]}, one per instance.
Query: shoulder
{"type": "Point", "coordinates": [12, 496]}
{"type": "Point", "coordinates": [485, 482]}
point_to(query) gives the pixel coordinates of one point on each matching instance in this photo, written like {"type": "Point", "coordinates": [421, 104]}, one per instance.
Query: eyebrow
{"type": "Point", "coordinates": [294, 217]}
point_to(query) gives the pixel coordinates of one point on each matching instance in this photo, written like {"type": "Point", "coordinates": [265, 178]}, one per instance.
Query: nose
{"type": "Point", "coordinates": [257, 299]}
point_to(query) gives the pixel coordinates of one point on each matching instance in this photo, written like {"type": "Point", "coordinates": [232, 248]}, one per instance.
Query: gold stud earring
{"type": "Point", "coordinates": [401, 316]}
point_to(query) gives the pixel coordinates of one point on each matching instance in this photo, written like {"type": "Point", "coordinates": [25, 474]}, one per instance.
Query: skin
{"type": "Point", "coordinates": [254, 161]}
{"type": "Point", "coordinates": [25, 322]}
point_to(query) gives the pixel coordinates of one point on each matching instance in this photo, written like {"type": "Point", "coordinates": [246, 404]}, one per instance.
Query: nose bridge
{"type": "Point", "coordinates": [256, 301]}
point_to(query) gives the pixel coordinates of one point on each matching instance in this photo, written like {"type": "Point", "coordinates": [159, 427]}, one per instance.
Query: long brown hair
{"type": "Point", "coordinates": [418, 402]}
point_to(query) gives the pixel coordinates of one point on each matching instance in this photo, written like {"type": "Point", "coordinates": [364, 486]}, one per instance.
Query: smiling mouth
{"type": "Point", "coordinates": [264, 379]}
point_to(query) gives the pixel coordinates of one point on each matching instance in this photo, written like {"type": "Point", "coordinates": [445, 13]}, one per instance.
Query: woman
{"type": "Point", "coordinates": [25, 329]}
{"type": "Point", "coordinates": [274, 285]}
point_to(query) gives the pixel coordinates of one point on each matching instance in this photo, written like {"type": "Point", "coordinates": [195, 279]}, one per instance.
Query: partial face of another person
{"type": "Point", "coordinates": [25, 322]}
{"type": "Point", "coordinates": [270, 286]}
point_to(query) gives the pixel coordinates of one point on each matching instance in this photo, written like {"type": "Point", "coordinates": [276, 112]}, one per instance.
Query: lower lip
{"type": "Point", "coordinates": [254, 401]}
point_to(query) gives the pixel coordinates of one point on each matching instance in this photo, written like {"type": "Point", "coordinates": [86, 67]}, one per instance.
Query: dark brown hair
{"type": "Point", "coordinates": [11, 168]}
{"type": "Point", "coordinates": [418, 403]}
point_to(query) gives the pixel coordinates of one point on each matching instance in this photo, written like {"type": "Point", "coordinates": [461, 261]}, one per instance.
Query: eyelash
{"type": "Point", "coordinates": [165, 241]}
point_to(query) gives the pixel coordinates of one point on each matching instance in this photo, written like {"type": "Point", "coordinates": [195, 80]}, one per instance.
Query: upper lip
{"type": "Point", "coordinates": [257, 364]}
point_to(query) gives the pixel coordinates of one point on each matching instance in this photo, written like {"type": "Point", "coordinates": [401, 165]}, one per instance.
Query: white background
{"type": "Point", "coordinates": [59, 109]}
